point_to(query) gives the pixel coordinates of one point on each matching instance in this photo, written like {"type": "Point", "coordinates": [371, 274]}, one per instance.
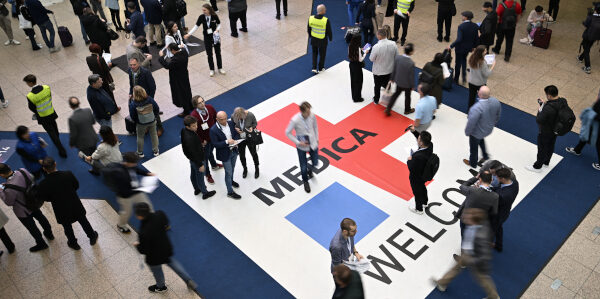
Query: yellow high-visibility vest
{"type": "Point", "coordinates": [42, 101]}
{"type": "Point", "coordinates": [403, 5]}
{"type": "Point", "coordinates": [317, 27]}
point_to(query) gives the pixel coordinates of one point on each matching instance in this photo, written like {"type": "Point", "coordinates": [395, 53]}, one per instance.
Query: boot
{"type": "Point", "coordinates": [245, 173]}
{"type": "Point", "coordinates": [256, 172]}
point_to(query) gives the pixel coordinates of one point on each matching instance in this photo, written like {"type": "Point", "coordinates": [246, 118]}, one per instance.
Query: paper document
{"type": "Point", "coordinates": [148, 184]}
{"type": "Point", "coordinates": [236, 142]}
{"type": "Point", "coordinates": [445, 70]}
{"type": "Point", "coordinates": [489, 58]}
{"type": "Point", "coordinates": [107, 57]}
{"type": "Point", "coordinates": [361, 266]}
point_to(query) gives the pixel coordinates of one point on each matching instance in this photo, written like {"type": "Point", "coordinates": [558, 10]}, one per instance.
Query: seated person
{"type": "Point", "coordinates": [536, 19]}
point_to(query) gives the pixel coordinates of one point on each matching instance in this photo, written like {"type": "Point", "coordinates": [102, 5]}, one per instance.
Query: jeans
{"type": "Point", "coordinates": [474, 143]}
{"type": "Point", "coordinates": [33, 229]}
{"type": "Point", "coordinates": [460, 63]}
{"type": "Point", "coordinates": [175, 266]}
{"type": "Point", "coordinates": [141, 132]}
{"type": "Point", "coordinates": [105, 122]}
{"type": "Point", "coordinates": [31, 34]}
{"type": "Point", "coordinates": [83, 33]}
{"type": "Point", "coordinates": [546, 142]}
{"type": "Point", "coordinates": [229, 166]}
{"type": "Point", "coordinates": [380, 81]}
{"type": "Point", "coordinates": [47, 26]}
{"type": "Point", "coordinates": [321, 51]}
{"type": "Point", "coordinates": [126, 206]}
{"type": "Point", "coordinates": [85, 224]}
{"type": "Point", "coordinates": [585, 55]}
{"type": "Point", "coordinates": [352, 12]}
{"type": "Point", "coordinates": [304, 167]}
{"type": "Point", "coordinates": [404, 21]}
{"type": "Point", "coordinates": [210, 45]}
{"type": "Point", "coordinates": [209, 157]}
{"type": "Point", "coordinates": [510, 36]}
{"type": "Point", "coordinates": [197, 177]}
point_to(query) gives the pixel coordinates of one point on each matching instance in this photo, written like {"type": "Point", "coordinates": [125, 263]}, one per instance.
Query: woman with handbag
{"type": "Point", "coordinates": [96, 29]}
{"type": "Point", "coordinates": [97, 65]}
{"type": "Point", "coordinates": [26, 23]}
{"type": "Point", "coordinates": [356, 56]}
{"type": "Point", "coordinates": [210, 28]}
{"type": "Point", "coordinates": [245, 124]}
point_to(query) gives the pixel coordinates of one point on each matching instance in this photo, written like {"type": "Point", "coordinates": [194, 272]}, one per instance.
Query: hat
{"type": "Point", "coordinates": [467, 14]}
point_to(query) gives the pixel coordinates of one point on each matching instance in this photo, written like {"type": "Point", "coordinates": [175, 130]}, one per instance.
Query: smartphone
{"type": "Point", "coordinates": [367, 47]}
{"type": "Point", "coordinates": [540, 101]}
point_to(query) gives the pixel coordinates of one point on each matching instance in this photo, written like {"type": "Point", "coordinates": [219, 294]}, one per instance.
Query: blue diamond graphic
{"type": "Point", "coordinates": [320, 217]}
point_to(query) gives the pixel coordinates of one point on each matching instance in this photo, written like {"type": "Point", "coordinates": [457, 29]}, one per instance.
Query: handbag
{"type": "Point", "coordinates": [24, 23]}
{"type": "Point", "coordinates": [254, 137]}
{"type": "Point", "coordinates": [387, 93]}
{"type": "Point", "coordinates": [112, 34]}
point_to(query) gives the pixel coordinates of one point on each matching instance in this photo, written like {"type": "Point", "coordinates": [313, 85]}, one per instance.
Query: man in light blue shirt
{"type": "Point", "coordinates": [425, 108]}
{"type": "Point", "coordinates": [482, 118]}
{"type": "Point", "coordinates": [306, 140]}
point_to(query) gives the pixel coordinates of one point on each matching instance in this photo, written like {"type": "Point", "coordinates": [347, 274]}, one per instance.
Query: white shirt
{"type": "Point", "coordinates": [304, 127]}
{"type": "Point", "coordinates": [382, 55]}
{"type": "Point", "coordinates": [225, 129]}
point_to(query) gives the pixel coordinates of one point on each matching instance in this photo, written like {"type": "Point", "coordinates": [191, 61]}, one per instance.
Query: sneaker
{"type": "Point", "coordinates": [74, 246]}
{"type": "Point", "coordinates": [217, 167]}
{"type": "Point", "coordinates": [587, 70]}
{"type": "Point", "coordinates": [524, 40]}
{"type": "Point", "coordinates": [210, 180]}
{"type": "Point", "coordinates": [222, 72]}
{"type": "Point", "coordinates": [531, 168]}
{"type": "Point", "coordinates": [438, 286]}
{"type": "Point", "coordinates": [244, 29]}
{"type": "Point", "coordinates": [123, 230]}
{"type": "Point", "coordinates": [141, 155]}
{"type": "Point", "coordinates": [234, 195]}
{"type": "Point", "coordinates": [572, 151]}
{"type": "Point", "coordinates": [37, 248]}
{"type": "Point", "coordinates": [4, 103]}
{"type": "Point", "coordinates": [7, 42]}
{"type": "Point", "coordinates": [322, 69]}
{"type": "Point", "coordinates": [211, 73]}
{"type": "Point", "coordinates": [156, 289]}
{"type": "Point", "coordinates": [94, 238]}
{"type": "Point", "coordinates": [156, 153]}
{"type": "Point", "coordinates": [415, 211]}
{"type": "Point", "coordinates": [208, 194]}
{"type": "Point", "coordinates": [596, 166]}
{"type": "Point", "coordinates": [378, 5]}
{"type": "Point", "coordinates": [15, 42]}
{"type": "Point", "coordinates": [315, 71]}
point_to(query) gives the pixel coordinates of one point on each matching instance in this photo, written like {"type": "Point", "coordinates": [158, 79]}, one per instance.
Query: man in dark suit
{"type": "Point", "coordinates": [404, 76]}
{"type": "Point", "coordinates": [466, 39]}
{"type": "Point", "coordinates": [194, 150]}
{"type": "Point", "coordinates": [153, 11]}
{"type": "Point", "coordinates": [179, 78]}
{"type": "Point", "coordinates": [488, 26]}
{"type": "Point", "coordinates": [100, 101]}
{"type": "Point", "coordinates": [479, 196]}
{"type": "Point", "coordinates": [223, 136]}
{"type": "Point", "coordinates": [81, 129]}
{"type": "Point", "coordinates": [141, 76]}
{"type": "Point", "coordinates": [60, 189]}
{"type": "Point", "coordinates": [507, 193]}
{"type": "Point", "coordinates": [416, 165]}
{"type": "Point", "coordinates": [444, 16]}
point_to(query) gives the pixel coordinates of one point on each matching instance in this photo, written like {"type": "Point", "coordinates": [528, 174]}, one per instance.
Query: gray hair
{"type": "Point", "coordinates": [93, 78]}
{"type": "Point", "coordinates": [238, 114]}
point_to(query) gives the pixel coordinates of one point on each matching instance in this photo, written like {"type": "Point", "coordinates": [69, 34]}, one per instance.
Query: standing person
{"type": "Point", "coordinates": [40, 103]}
{"type": "Point", "coordinates": [306, 140]}
{"type": "Point", "coordinates": [179, 78]}
{"type": "Point", "coordinates": [31, 149]}
{"type": "Point", "coordinates": [141, 76]}
{"type": "Point", "coordinates": [425, 108]}
{"type": "Point", "coordinates": [206, 115]}
{"type": "Point", "coordinates": [237, 10]}
{"type": "Point", "coordinates": [173, 35]}
{"type": "Point", "coordinates": [466, 40]}
{"type": "Point", "coordinates": [319, 30]}
{"type": "Point", "coordinates": [589, 36]}
{"type": "Point", "coordinates": [356, 55]}
{"type": "Point", "coordinates": [96, 29]}
{"type": "Point", "coordinates": [115, 13]}
{"type": "Point", "coordinates": [39, 15]}
{"type": "Point", "coordinates": [434, 69]}
{"type": "Point", "coordinates": [154, 243]}
{"type": "Point", "coordinates": [134, 50]}
{"type": "Point", "coordinates": [546, 118]}
{"type": "Point", "coordinates": [507, 193]}
{"type": "Point", "coordinates": [488, 27]}
{"type": "Point", "coordinates": [194, 150]}
{"type": "Point", "coordinates": [8, 243]}
{"type": "Point", "coordinates": [404, 76]}
{"type": "Point", "coordinates": [553, 9]}
{"type": "Point", "coordinates": [26, 23]}
{"type": "Point", "coordinates": [169, 13]}
{"type": "Point", "coordinates": [353, 7]}
{"type": "Point", "coordinates": [78, 6]}
{"type": "Point", "coordinates": [476, 254]}
{"type": "Point", "coordinates": [348, 283]}
{"type": "Point", "coordinates": [382, 55]}
{"type": "Point", "coordinates": [81, 128]}
{"type": "Point", "coordinates": [224, 137]}
{"type": "Point", "coordinates": [97, 65]}
{"type": "Point", "coordinates": [153, 11]}
{"type": "Point", "coordinates": [6, 26]}
{"type": "Point", "coordinates": [245, 122]}
{"type": "Point", "coordinates": [509, 13]}
{"type": "Point", "coordinates": [416, 165]}
{"type": "Point", "coordinates": [143, 111]}
{"type": "Point", "coordinates": [479, 196]}
{"type": "Point", "coordinates": [402, 16]}
{"type": "Point", "coordinates": [60, 189]}
{"type": "Point", "coordinates": [341, 246]}
{"type": "Point", "coordinates": [446, 9]}
{"type": "Point", "coordinates": [107, 152]}
{"type": "Point", "coordinates": [479, 71]}
{"type": "Point", "coordinates": [13, 196]}
{"type": "Point", "coordinates": [589, 133]}
{"type": "Point", "coordinates": [211, 26]}
{"type": "Point", "coordinates": [365, 16]}
{"type": "Point", "coordinates": [100, 102]}
{"type": "Point", "coordinates": [97, 8]}
{"type": "Point", "coordinates": [482, 119]}
{"type": "Point", "coordinates": [135, 22]}
{"type": "Point", "coordinates": [277, 7]}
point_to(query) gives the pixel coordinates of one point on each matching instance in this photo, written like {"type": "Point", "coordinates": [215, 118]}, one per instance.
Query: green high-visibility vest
{"type": "Point", "coordinates": [317, 27]}
{"type": "Point", "coordinates": [403, 5]}
{"type": "Point", "coordinates": [42, 101]}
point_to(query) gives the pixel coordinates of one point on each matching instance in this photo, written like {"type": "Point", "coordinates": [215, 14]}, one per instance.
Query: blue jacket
{"type": "Point", "coordinates": [338, 248]}
{"type": "Point", "coordinates": [38, 13]}
{"type": "Point", "coordinates": [137, 24]}
{"type": "Point", "coordinates": [589, 126]}
{"type": "Point", "coordinates": [134, 104]}
{"type": "Point", "coordinates": [467, 37]}
{"type": "Point", "coordinates": [101, 103]}
{"type": "Point", "coordinates": [219, 140]}
{"type": "Point", "coordinates": [31, 151]}
{"type": "Point", "coordinates": [153, 11]}
{"type": "Point", "coordinates": [143, 79]}
{"type": "Point", "coordinates": [483, 117]}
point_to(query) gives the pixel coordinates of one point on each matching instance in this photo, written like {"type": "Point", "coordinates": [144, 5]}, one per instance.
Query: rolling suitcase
{"type": "Point", "coordinates": [66, 39]}
{"type": "Point", "coordinates": [541, 37]}
{"type": "Point", "coordinates": [130, 125]}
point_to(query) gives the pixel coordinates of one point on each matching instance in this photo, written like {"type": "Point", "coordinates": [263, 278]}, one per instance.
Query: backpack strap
{"type": "Point", "coordinates": [27, 180]}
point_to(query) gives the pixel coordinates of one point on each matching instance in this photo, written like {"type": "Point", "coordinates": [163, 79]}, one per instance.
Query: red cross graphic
{"type": "Point", "coordinates": [367, 162]}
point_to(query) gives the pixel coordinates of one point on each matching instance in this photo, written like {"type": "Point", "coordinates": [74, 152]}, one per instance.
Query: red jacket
{"type": "Point", "coordinates": [212, 119]}
{"type": "Point", "coordinates": [509, 4]}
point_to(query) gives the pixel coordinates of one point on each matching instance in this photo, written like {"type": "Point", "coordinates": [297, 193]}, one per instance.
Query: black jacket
{"type": "Point", "coordinates": [179, 78]}
{"type": "Point", "coordinates": [467, 38]}
{"type": "Point", "coordinates": [546, 119]}
{"type": "Point", "coordinates": [118, 179]}
{"type": "Point", "coordinates": [78, 6]}
{"type": "Point", "coordinates": [96, 30]}
{"type": "Point", "coordinates": [169, 12]}
{"type": "Point", "coordinates": [60, 189]}
{"type": "Point", "coordinates": [192, 147]}
{"type": "Point", "coordinates": [506, 198]}
{"type": "Point", "coordinates": [214, 22]}
{"type": "Point", "coordinates": [144, 79]}
{"type": "Point", "coordinates": [416, 165]}
{"type": "Point", "coordinates": [488, 29]}
{"type": "Point", "coordinates": [153, 239]}
{"type": "Point", "coordinates": [445, 6]}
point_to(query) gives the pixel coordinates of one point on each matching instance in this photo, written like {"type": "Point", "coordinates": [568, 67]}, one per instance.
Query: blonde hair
{"type": "Point", "coordinates": [139, 93]}
{"type": "Point", "coordinates": [238, 114]}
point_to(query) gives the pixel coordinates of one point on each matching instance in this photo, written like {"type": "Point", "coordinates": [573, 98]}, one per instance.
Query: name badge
{"type": "Point", "coordinates": [204, 126]}
{"type": "Point", "coordinates": [209, 31]}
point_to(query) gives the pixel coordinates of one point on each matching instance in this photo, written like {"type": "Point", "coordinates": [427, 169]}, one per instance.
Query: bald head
{"type": "Point", "coordinates": [321, 9]}
{"type": "Point", "coordinates": [74, 103]}
{"type": "Point", "coordinates": [484, 92]}
{"type": "Point", "coordinates": [222, 118]}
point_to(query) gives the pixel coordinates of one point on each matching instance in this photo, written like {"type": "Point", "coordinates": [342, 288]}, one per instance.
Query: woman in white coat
{"type": "Point", "coordinates": [173, 35]}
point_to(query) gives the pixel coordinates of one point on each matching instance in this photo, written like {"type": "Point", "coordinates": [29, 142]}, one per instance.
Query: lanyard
{"type": "Point", "coordinates": [207, 115]}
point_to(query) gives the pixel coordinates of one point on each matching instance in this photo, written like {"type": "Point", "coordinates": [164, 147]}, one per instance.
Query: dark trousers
{"type": "Point", "coordinates": [510, 36]}
{"type": "Point", "coordinates": [581, 144]}
{"type": "Point", "coordinates": [444, 18]}
{"type": "Point", "coordinates": [88, 151]}
{"type": "Point", "coordinates": [523, 4]}
{"type": "Point", "coordinates": [277, 4]}
{"type": "Point", "coordinates": [33, 229]}
{"type": "Point", "coordinates": [85, 224]}
{"type": "Point", "coordinates": [368, 33]}
{"type": "Point", "coordinates": [10, 246]}
{"type": "Point", "coordinates": [213, 3]}
{"type": "Point", "coordinates": [242, 150]}
{"type": "Point", "coordinates": [380, 81]}
{"type": "Point", "coordinates": [420, 192]}
{"type": "Point", "coordinates": [404, 21]}
{"type": "Point", "coordinates": [553, 8]}
{"type": "Point", "coordinates": [585, 55]}
{"type": "Point", "coordinates": [52, 129]}
{"type": "Point", "coordinates": [546, 143]}
{"type": "Point", "coordinates": [399, 90]}
{"type": "Point", "coordinates": [498, 231]}
{"type": "Point", "coordinates": [321, 51]}
{"type": "Point", "coordinates": [460, 63]}
{"type": "Point", "coordinates": [233, 17]}
{"type": "Point", "coordinates": [116, 18]}
{"type": "Point", "coordinates": [209, 157]}
{"type": "Point", "coordinates": [356, 80]}
{"type": "Point", "coordinates": [474, 145]}
{"type": "Point", "coordinates": [473, 90]}
{"type": "Point", "coordinates": [197, 177]}
{"type": "Point", "coordinates": [31, 34]}
{"type": "Point", "coordinates": [209, 45]}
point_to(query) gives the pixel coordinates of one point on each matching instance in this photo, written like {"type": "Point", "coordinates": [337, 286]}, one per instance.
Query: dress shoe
{"type": "Point", "coordinates": [466, 161]}
{"type": "Point", "coordinates": [245, 172]}
{"type": "Point", "coordinates": [208, 194]}
{"type": "Point", "coordinates": [210, 180]}
{"type": "Point", "coordinates": [38, 247]}
{"type": "Point", "coordinates": [234, 195]}
{"type": "Point", "coordinates": [256, 172]}
{"type": "Point", "coordinates": [447, 39]}
{"type": "Point", "coordinates": [244, 29]}
{"type": "Point", "coordinates": [402, 43]}
{"type": "Point", "coordinates": [359, 100]}
{"type": "Point", "coordinates": [306, 187]}
{"type": "Point", "coordinates": [235, 184]}
{"type": "Point", "coordinates": [395, 39]}
{"type": "Point", "coordinates": [278, 17]}
{"type": "Point", "coordinates": [507, 58]}
{"type": "Point", "coordinates": [94, 238]}
{"type": "Point", "coordinates": [409, 111]}
{"type": "Point", "coordinates": [73, 246]}
{"type": "Point", "coordinates": [439, 39]}
{"type": "Point", "coordinates": [285, 13]}
{"type": "Point", "coordinates": [92, 171]}
{"type": "Point", "coordinates": [118, 109]}
{"type": "Point", "coordinates": [310, 174]}
{"type": "Point", "coordinates": [49, 235]}
{"type": "Point", "coordinates": [234, 35]}
{"type": "Point", "coordinates": [196, 192]}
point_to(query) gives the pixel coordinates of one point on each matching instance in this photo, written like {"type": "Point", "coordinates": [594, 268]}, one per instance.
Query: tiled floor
{"type": "Point", "coordinates": [111, 269]}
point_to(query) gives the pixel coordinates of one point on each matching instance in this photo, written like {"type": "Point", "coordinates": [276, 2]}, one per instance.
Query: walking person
{"type": "Point", "coordinates": [107, 151]}
{"type": "Point", "coordinates": [225, 139]}
{"type": "Point", "coordinates": [446, 10]}
{"type": "Point", "coordinates": [365, 16]}
{"type": "Point", "coordinates": [26, 23]}
{"type": "Point", "coordinates": [319, 30]}
{"type": "Point", "coordinates": [60, 189]}
{"type": "Point", "coordinates": [194, 150]}
{"type": "Point", "coordinates": [481, 120]}
{"type": "Point", "coordinates": [96, 29]}
{"type": "Point", "coordinates": [153, 12]}
{"type": "Point", "coordinates": [40, 103]}
{"type": "Point", "coordinates": [211, 26]}
{"type": "Point", "coordinates": [98, 65]}
{"type": "Point", "coordinates": [402, 16]}
{"type": "Point", "coordinates": [8, 243]}
{"type": "Point", "coordinates": [179, 78]}
{"type": "Point", "coordinates": [13, 195]}
{"type": "Point", "coordinates": [115, 13]}
{"type": "Point", "coordinates": [416, 166]}
{"type": "Point", "coordinates": [100, 102]}
{"type": "Point", "coordinates": [143, 110]}
{"type": "Point", "coordinates": [78, 6]}
{"type": "Point", "coordinates": [404, 77]}
{"type": "Point", "coordinates": [509, 13]}
{"type": "Point", "coordinates": [488, 27]}
{"type": "Point", "coordinates": [382, 55]}
{"type": "Point", "coordinates": [434, 69]}
{"type": "Point", "coordinates": [589, 36]}
{"type": "Point", "coordinates": [479, 71]}
{"type": "Point", "coordinates": [237, 10]}
{"type": "Point", "coordinates": [6, 25]}
{"type": "Point", "coordinates": [306, 140]}
{"type": "Point", "coordinates": [154, 243]}
{"type": "Point", "coordinates": [39, 15]}
{"type": "Point", "coordinates": [589, 132]}
{"type": "Point", "coordinates": [466, 40]}
{"type": "Point", "coordinates": [356, 55]}
{"type": "Point", "coordinates": [245, 124]}
{"type": "Point", "coordinates": [81, 128]}
{"type": "Point", "coordinates": [31, 149]}
{"type": "Point", "coordinates": [277, 8]}
{"type": "Point", "coordinates": [425, 108]}
{"type": "Point", "coordinates": [206, 115]}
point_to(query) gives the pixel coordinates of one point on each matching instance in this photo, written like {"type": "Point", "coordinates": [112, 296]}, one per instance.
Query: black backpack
{"type": "Point", "coordinates": [431, 167]}
{"type": "Point", "coordinates": [32, 201]}
{"type": "Point", "coordinates": [509, 17]}
{"type": "Point", "coordinates": [565, 119]}
{"type": "Point", "coordinates": [181, 8]}
{"type": "Point", "coordinates": [425, 77]}
{"type": "Point", "coordinates": [592, 33]}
